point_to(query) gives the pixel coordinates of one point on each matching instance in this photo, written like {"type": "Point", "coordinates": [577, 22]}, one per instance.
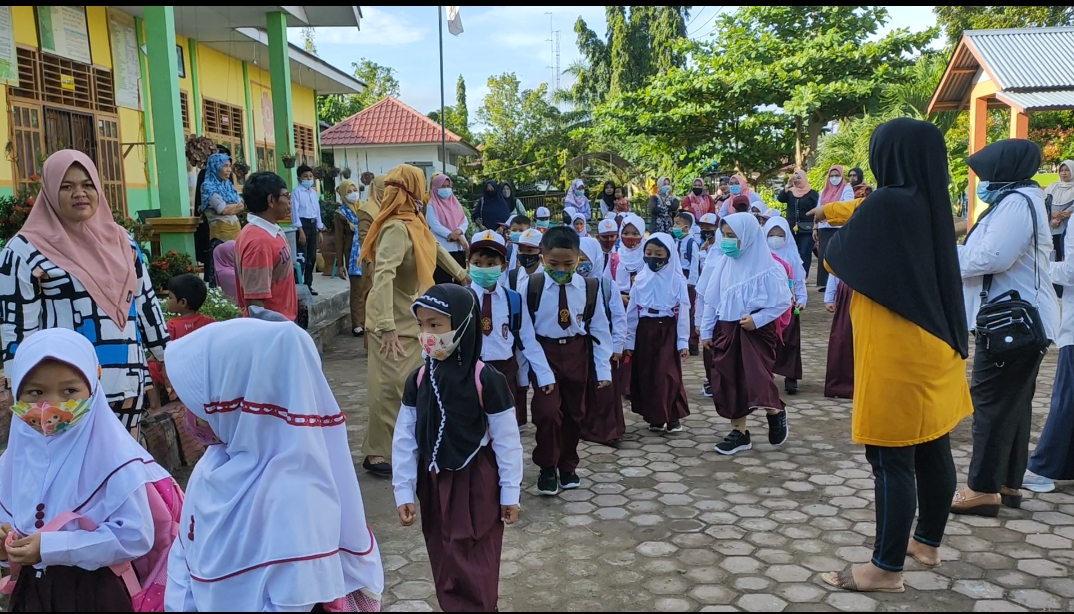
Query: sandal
{"type": "Point", "coordinates": [357, 331]}
{"type": "Point", "coordinates": [845, 580]}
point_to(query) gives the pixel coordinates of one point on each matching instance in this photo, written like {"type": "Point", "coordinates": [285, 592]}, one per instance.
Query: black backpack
{"type": "Point", "coordinates": [592, 291]}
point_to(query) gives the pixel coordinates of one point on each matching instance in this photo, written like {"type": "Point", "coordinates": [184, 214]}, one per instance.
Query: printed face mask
{"type": "Point", "coordinates": [775, 243]}
{"type": "Point", "coordinates": [708, 235]}
{"type": "Point", "coordinates": [352, 197]}
{"type": "Point", "coordinates": [655, 264]}
{"type": "Point", "coordinates": [528, 260]}
{"type": "Point", "coordinates": [631, 242]}
{"type": "Point", "coordinates": [486, 277]}
{"type": "Point", "coordinates": [560, 277]}
{"type": "Point", "coordinates": [439, 346]}
{"type": "Point", "coordinates": [200, 432]}
{"type": "Point", "coordinates": [585, 268]}
{"type": "Point", "coordinates": [730, 247]}
{"type": "Point", "coordinates": [444, 192]}
{"type": "Point", "coordinates": [52, 418]}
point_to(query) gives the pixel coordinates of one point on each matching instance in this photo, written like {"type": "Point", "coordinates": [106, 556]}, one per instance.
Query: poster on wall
{"type": "Point", "coordinates": [64, 32]}
{"type": "Point", "coordinates": [9, 67]}
{"type": "Point", "coordinates": [125, 69]}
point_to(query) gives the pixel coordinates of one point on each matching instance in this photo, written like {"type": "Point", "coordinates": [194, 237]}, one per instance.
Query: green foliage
{"type": "Point", "coordinates": [458, 116]}
{"type": "Point", "coordinates": [216, 306]}
{"type": "Point", "coordinates": [328, 213]}
{"type": "Point", "coordinates": [380, 83]}
{"type": "Point", "coordinates": [164, 267]}
{"type": "Point", "coordinates": [953, 20]}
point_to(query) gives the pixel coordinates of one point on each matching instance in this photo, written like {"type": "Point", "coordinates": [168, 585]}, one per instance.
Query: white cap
{"type": "Point", "coordinates": [773, 212]}
{"type": "Point", "coordinates": [489, 239]}
{"type": "Point", "coordinates": [708, 218]}
{"type": "Point", "coordinates": [531, 237]}
{"type": "Point", "coordinates": [607, 226]}
{"type": "Point", "coordinates": [543, 213]}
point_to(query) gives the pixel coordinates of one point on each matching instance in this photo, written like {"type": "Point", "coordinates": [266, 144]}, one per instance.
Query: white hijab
{"type": "Point", "coordinates": [750, 282]}
{"type": "Point", "coordinates": [662, 290]}
{"type": "Point", "coordinates": [1062, 191]}
{"type": "Point", "coordinates": [67, 472]}
{"type": "Point", "coordinates": [632, 260]}
{"type": "Point", "coordinates": [278, 515]}
{"type": "Point", "coordinates": [592, 250]}
{"type": "Point", "coordinates": [585, 230]}
{"type": "Point", "coordinates": [789, 252]}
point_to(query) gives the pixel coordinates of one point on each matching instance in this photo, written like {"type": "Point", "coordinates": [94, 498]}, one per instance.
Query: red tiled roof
{"type": "Point", "coordinates": [388, 122]}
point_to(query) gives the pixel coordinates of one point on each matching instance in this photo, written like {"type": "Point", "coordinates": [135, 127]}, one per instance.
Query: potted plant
{"type": "Point", "coordinates": [333, 172]}
{"type": "Point", "coordinates": [346, 172]}
{"type": "Point", "coordinates": [241, 169]}
{"type": "Point", "coordinates": [320, 173]}
{"type": "Point", "coordinates": [165, 267]}
{"type": "Point", "coordinates": [198, 150]}
{"type": "Point", "coordinates": [288, 159]}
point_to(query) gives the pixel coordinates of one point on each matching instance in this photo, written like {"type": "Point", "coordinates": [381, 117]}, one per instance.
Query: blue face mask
{"type": "Point", "coordinates": [730, 247]}
{"type": "Point", "coordinates": [560, 277]}
{"type": "Point", "coordinates": [585, 268]}
{"type": "Point", "coordinates": [444, 192]}
{"type": "Point", "coordinates": [486, 277]}
{"type": "Point", "coordinates": [307, 183]}
{"type": "Point", "coordinates": [579, 192]}
{"type": "Point", "coordinates": [543, 223]}
{"type": "Point", "coordinates": [515, 236]}
{"type": "Point", "coordinates": [736, 189]}
{"type": "Point", "coordinates": [664, 189]}
{"type": "Point", "coordinates": [988, 193]}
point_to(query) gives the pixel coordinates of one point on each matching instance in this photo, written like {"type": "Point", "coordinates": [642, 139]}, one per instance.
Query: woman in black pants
{"type": "Point", "coordinates": [800, 199]}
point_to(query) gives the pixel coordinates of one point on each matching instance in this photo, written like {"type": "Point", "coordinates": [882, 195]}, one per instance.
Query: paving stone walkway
{"type": "Point", "coordinates": [667, 524]}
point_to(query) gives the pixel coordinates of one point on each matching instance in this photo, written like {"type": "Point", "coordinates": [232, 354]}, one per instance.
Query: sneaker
{"type": "Point", "coordinates": [737, 441]}
{"type": "Point", "coordinates": [548, 484]}
{"type": "Point", "coordinates": [657, 428]}
{"type": "Point", "coordinates": [675, 427]}
{"type": "Point", "coordinates": [706, 389]}
{"type": "Point", "coordinates": [569, 480]}
{"type": "Point", "coordinates": [777, 428]}
{"type": "Point", "coordinates": [1036, 483]}
{"type": "Point", "coordinates": [790, 385]}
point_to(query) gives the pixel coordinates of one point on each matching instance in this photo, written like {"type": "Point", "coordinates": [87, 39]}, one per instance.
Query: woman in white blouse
{"type": "Point", "coordinates": [448, 222]}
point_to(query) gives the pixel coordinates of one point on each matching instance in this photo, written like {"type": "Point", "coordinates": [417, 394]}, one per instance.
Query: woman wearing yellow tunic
{"type": "Point", "coordinates": [897, 253]}
{"type": "Point", "coordinates": [366, 214]}
{"type": "Point", "coordinates": [404, 254]}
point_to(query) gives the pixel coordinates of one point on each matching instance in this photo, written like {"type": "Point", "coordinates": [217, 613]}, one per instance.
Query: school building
{"type": "Point", "coordinates": [128, 84]}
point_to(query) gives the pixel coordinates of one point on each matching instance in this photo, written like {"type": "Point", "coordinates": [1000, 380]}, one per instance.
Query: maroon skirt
{"type": "Point", "coordinates": [741, 374]}
{"type": "Point", "coordinates": [656, 390]}
{"type": "Point", "coordinates": [839, 375]}
{"type": "Point", "coordinates": [460, 519]}
{"type": "Point", "coordinates": [70, 589]}
{"type": "Point", "coordinates": [789, 352]}
{"type": "Point", "coordinates": [604, 421]}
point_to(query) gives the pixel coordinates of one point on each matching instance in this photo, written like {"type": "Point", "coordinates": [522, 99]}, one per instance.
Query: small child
{"type": "Point", "coordinates": [839, 374]}
{"type": "Point", "coordinates": [622, 205]}
{"type": "Point", "coordinates": [519, 224]}
{"type": "Point", "coordinates": [707, 224]}
{"type": "Point", "coordinates": [186, 295]}
{"type": "Point", "coordinates": [789, 356]}
{"type": "Point", "coordinates": [564, 307]}
{"type": "Point", "coordinates": [689, 252]}
{"type": "Point", "coordinates": [506, 334]}
{"type": "Point", "coordinates": [528, 256]}
{"type": "Point", "coordinates": [578, 222]}
{"type": "Point", "coordinates": [712, 257]}
{"type": "Point", "coordinates": [604, 420]}
{"type": "Point", "coordinates": [544, 219]}
{"type": "Point", "coordinates": [276, 455]}
{"type": "Point", "coordinates": [629, 261]}
{"type": "Point", "coordinates": [457, 447]}
{"type": "Point", "coordinates": [568, 215]}
{"type": "Point", "coordinates": [747, 292]}
{"type": "Point", "coordinates": [608, 237]}
{"type": "Point", "coordinates": [68, 453]}
{"type": "Point", "coordinates": [657, 325]}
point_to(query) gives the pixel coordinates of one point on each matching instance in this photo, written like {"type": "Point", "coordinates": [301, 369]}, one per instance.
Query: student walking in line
{"type": "Point", "coordinates": [789, 355]}
{"type": "Point", "coordinates": [604, 420]}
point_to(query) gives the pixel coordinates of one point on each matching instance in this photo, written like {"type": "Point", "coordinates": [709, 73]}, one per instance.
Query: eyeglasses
{"type": "Point", "coordinates": [285, 195]}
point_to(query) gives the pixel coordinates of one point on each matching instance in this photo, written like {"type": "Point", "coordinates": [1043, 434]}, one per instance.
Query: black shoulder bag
{"type": "Point", "coordinates": [1009, 327]}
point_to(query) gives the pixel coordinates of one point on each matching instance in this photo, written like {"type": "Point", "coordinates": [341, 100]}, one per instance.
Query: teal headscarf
{"type": "Point", "coordinates": [213, 184]}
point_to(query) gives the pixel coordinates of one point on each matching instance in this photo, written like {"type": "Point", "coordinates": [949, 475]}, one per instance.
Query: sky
{"type": "Point", "coordinates": [496, 40]}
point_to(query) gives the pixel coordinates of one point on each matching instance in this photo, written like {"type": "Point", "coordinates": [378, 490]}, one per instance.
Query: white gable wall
{"type": "Point", "coordinates": [381, 159]}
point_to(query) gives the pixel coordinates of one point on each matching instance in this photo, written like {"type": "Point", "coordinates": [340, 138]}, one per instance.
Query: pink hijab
{"type": "Point", "coordinates": [224, 267]}
{"type": "Point", "coordinates": [448, 212]}
{"type": "Point", "coordinates": [833, 193]}
{"type": "Point", "coordinates": [96, 252]}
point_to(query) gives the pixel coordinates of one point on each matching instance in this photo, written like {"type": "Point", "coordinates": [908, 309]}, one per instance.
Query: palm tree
{"type": "Point", "coordinates": [910, 94]}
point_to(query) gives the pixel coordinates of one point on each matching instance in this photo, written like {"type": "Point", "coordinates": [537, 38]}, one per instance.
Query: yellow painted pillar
{"type": "Point", "coordinates": [978, 139]}
{"type": "Point", "coordinates": [1019, 124]}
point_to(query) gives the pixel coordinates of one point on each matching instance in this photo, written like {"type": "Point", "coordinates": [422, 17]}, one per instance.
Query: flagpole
{"type": "Point", "coordinates": [443, 120]}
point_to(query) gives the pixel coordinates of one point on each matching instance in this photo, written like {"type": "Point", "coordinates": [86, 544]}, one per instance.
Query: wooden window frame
{"type": "Point", "coordinates": [305, 145]}
{"type": "Point", "coordinates": [184, 108]}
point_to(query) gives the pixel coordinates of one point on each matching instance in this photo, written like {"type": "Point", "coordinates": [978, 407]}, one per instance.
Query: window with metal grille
{"type": "Point", "coordinates": [29, 74]}
{"type": "Point", "coordinates": [305, 145]}
{"type": "Point", "coordinates": [66, 82]}
{"type": "Point", "coordinates": [222, 120]}
{"type": "Point", "coordinates": [184, 106]}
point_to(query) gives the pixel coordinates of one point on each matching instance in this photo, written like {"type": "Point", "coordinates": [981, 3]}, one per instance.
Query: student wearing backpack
{"type": "Point", "coordinates": [565, 315]}
{"type": "Point", "coordinates": [74, 485]}
{"type": "Point", "coordinates": [690, 257]}
{"type": "Point", "coordinates": [457, 447]}
{"type": "Point", "coordinates": [274, 519]}
{"type": "Point", "coordinates": [604, 420]}
{"type": "Point", "coordinates": [506, 328]}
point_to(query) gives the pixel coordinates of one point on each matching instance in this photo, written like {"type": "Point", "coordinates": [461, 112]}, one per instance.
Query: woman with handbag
{"type": "Point", "coordinates": [1004, 266]}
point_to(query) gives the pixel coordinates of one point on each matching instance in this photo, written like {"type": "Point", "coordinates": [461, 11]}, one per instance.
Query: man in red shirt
{"type": "Point", "coordinates": [264, 269]}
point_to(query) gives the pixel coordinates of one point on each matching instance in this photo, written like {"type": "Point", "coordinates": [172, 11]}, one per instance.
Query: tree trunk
{"type": "Point", "coordinates": [814, 127]}
{"type": "Point", "coordinates": [799, 155]}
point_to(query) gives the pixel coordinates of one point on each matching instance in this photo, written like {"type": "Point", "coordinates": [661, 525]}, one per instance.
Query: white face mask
{"type": "Point", "coordinates": [835, 180]}
{"type": "Point", "coordinates": [776, 242]}
{"type": "Point", "coordinates": [352, 197]}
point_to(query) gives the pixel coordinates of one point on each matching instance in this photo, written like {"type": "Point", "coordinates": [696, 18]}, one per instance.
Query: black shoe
{"type": "Point", "coordinates": [548, 484]}
{"type": "Point", "coordinates": [675, 427]}
{"type": "Point", "coordinates": [778, 431]}
{"type": "Point", "coordinates": [615, 443]}
{"type": "Point", "coordinates": [706, 389]}
{"type": "Point", "coordinates": [657, 428]}
{"type": "Point", "coordinates": [694, 351]}
{"type": "Point", "coordinates": [383, 468]}
{"type": "Point", "coordinates": [312, 291]}
{"type": "Point", "coordinates": [568, 480]}
{"type": "Point", "coordinates": [737, 441]}
{"type": "Point", "coordinates": [790, 385]}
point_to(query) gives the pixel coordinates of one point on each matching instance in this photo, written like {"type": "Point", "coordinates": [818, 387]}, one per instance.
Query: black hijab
{"type": "Point", "coordinates": [860, 175]}
{"type": "Point", "coordinates": [447, 395]}
{"type": "Point", "coordinates": [898, 249]}
{"type": "Point", "coordinates": [1006, 161]}
{"type": "Point", "coordinates": [494, 207]}
{"type": "Point", "coordinates": [609, 199]}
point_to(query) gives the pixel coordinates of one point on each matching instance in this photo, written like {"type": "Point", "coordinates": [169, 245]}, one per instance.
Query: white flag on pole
{"type": "Point", "coordinates": [454, 23]}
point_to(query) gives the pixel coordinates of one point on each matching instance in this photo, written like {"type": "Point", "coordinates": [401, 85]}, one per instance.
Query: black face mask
{"type": "Point", "coordinates": [529, 260]}
{"type": "Point", "coordinates": [698, 191]}
{"type": "Point", "coordinates": [708, 235]}
{"type": "Point", "coordinates": [655, 264]}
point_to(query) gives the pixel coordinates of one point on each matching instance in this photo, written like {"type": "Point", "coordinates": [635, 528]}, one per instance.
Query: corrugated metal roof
{"type": "Point", "coordinates": [1054, 100]}
{"type": "Point", "coordinates": [1027, 59]}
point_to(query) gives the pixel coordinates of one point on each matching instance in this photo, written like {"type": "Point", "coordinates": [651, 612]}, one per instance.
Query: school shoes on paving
{"type": "Point", "coordinates": [706, 389]}
{"type": "Point", "coordinates": [737, 441]}
{"type": "Point", "coordinates": [790, 385]}
{"type": "Point", "coordinates": [382, 468]}
{"type": "Point", "coordinates": [569, 480]}
{"type": "Point", "coordinates": [674, 427]}
{"type": "Point", "coordinates": [777, 428]}
{"type": "Point", "coordinates": [657, 428]}
{"type": "Point", "coordinates": [548, 483]}
{"type": "Point", "coordinates": [694, 350]}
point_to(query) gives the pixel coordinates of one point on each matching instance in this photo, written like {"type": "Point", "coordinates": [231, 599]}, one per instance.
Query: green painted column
{"type": "Point", "coordinates": [282, 107]}
{"type": "Point", "coordinates": [249, 145]}
{"type": "Point", "coordinates": [168, 128]}
{"type": "Point", "coordinates": [147, 125]}
{"type": "Point", "coordinates": [195, 84]}
{"type": "Point", "coordinates": [317, 132]}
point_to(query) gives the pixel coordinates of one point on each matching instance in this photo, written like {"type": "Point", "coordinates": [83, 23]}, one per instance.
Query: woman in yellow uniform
{"type": "Point", "coordinates": [897, 253]}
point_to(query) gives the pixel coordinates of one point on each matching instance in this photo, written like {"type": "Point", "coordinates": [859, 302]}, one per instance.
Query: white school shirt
{"type": "Point", "coordinates": [442, 232]}
{"type": "Point", "coordinates": [500, 343]}
{"type": "Point", "coordinates": [619, 313]}
{"type": "Point", "coordinates": [546, 323]}
{"type": "Point", "coordinates": [306, 205]}
{"type": "Point", "coordinates": [1002, 244]}
{"type": "Point", "coordinates": [703, 281]}
{"type": "Point", "coordinates": [763, 317]}
{"type": "Point", "coordinates": [125, 536]}
{"type": "Point", "coordinates": [848, 194]}
{"type": "Point", "coordinates": [502, 433]}
{"type": "Point", "coordinates": [690, 265]}
{"type": "Point", "coordinates": [635, 312]}
{"type": "Point", "coordinates": [1063, 274]}
{"type": "Point", "coordinates": [831, 289]}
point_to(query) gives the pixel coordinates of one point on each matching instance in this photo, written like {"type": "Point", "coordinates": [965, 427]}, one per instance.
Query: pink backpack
{"type": "Point", "coordinates": [166, 504]}
{"type": "Point", "coordinates": [477, 380]}
{"type": "Point", "coordinates": [785, 320]}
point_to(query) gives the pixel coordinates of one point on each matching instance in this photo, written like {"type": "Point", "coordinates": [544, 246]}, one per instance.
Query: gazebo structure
{"type": "Point", "coordinates": [1025, 69]}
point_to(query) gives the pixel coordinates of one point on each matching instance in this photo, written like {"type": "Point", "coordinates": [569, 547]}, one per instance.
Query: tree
{"type": "Point", "coordinates": [308, 43]}
{"type": "Point", "coordinates": [459, 117]}
{"type": "Point", "coordinates": [380, 83]}
{"type": "Point", "coordinates": [953, 20]}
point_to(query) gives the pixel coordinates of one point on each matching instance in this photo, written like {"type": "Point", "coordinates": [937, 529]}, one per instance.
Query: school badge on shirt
{"type": "Point", "coordinates": [506, 330]}
{"type": "Point", "coordinates": [486, 325]}
{"type": "Point", "coordinates": [564, 316]}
